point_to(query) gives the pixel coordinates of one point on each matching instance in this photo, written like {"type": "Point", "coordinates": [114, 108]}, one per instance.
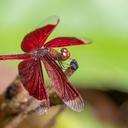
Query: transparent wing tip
{"type": "Point", "coordinates": [87, 41]}
{"type": "Point", "coordinates": [77, 104]}
{"type": "Point", "coordinates": [54, 20]}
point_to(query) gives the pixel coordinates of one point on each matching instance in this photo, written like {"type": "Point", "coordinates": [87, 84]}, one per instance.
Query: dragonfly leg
{"type": "Point", "coordinates": [61, 64]}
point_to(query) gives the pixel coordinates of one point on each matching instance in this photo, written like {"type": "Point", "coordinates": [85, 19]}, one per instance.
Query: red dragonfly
{"type": "Point", "coordinates": [37, 50]}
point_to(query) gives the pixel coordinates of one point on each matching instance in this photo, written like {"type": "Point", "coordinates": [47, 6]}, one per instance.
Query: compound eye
{"type": "Point", "coordinates": [65, 54]}
{"type": "Point", "coordinates": [64, 50]}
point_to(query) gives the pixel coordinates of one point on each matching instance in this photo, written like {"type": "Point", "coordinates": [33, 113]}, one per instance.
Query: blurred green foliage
{"type": "Point", "coordinates": [102, 64]}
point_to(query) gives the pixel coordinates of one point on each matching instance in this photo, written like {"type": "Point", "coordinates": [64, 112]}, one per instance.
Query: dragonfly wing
{"type": "Point", "coordinates": [31, 76]}
{"type": "Point", "coordinates": [62, 86]}
{"type": "Point", "coordinates": [37, 38]}
{"type": "Point", "coordinates": [65, 41]}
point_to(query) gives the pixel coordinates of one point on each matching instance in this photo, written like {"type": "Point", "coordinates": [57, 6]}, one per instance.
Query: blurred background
{"type": "Point", "coordinates": [103, 65]}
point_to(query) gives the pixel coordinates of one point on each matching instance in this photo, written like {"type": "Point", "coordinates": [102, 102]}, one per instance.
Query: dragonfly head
{"type": "Point", "coordinates": [65, 54]}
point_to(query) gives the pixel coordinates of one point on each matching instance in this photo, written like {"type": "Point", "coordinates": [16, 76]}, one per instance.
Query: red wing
{"type": "Point", "coordinates": [31, 76]}
{"type": "Point", "coordinates": [65, 41]}
{"type": "Point", "coordinates": [37, 38]}
{"type": "Point", "coordinates": [62, 86]}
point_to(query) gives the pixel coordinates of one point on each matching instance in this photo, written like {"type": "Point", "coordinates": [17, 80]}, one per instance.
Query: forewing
{"type": "Point", "coordinates": [62, 86]}
{"type": "Point", "coordinates": [37, 38]}
{"type": "Point", "coordinates": [65, 41]}
{"type": "Point", "coordinates": [31, 76]}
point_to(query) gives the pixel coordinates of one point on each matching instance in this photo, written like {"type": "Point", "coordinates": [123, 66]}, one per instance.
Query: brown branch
{"type": "Point", "coordinates": [16, 104]}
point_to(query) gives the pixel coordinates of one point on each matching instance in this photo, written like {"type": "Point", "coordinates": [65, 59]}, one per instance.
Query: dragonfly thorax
{"type": "Point", "coordinates": [40, 52]}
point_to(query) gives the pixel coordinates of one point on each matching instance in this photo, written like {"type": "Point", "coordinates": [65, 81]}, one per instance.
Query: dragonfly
{"type": "Point", "coordinates": [38, 50]}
